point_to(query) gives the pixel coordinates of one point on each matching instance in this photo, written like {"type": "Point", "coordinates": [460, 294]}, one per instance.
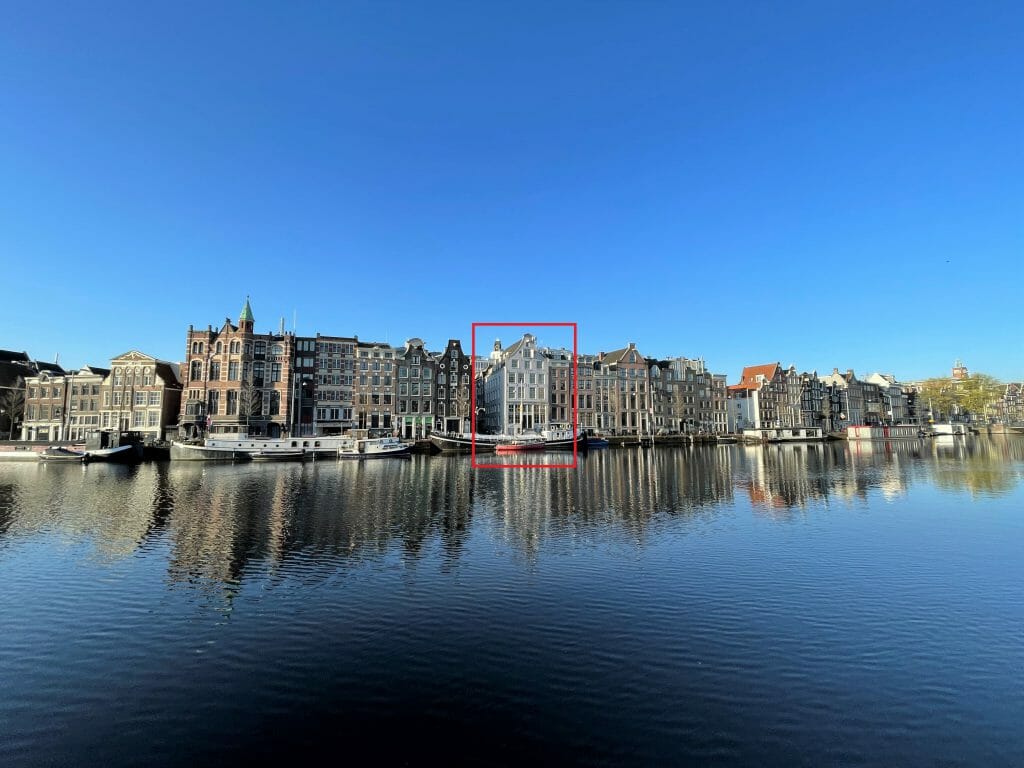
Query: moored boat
{"type": "Point", "coordinates": [597, 442]}
{"type": "Point", "coordinates": [463, 443]}
{"type": "Point", "coordinates": [375, 448]}
{"type": "Point", "coordinates": [121, 454]}
{"type": "Point", "coordinates": [188, 452]}
{"type": "Point", "coordinates": [56, 454]}
{"type": "Point", "coordinates": [559, 439]}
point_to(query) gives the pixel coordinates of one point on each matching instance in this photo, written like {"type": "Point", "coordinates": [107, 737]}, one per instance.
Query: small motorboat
{"type": "Point", "coordinates": [63, 455]}
{"type": "Point", "coordinates": [520, 446]}
{"type": "Point", "coordinates": [271, 455]}
{"type": "Point", "coordinates": [597, 442]}
{"type": "Point", "coordinates": [375, 448]}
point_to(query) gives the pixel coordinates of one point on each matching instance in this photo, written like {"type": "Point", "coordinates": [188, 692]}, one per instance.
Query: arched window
{"type": "Point", "coordinates": [218, 347]}
{"type": "Point", "coordinates": [195, 371]}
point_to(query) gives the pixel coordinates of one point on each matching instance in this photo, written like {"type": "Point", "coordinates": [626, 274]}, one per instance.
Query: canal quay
{"type": "Point", "coordinates": [830, 604]}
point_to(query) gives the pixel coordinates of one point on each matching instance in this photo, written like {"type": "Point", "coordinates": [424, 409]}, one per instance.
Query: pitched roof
{"type": "Point", "coordinates": [749, 378]}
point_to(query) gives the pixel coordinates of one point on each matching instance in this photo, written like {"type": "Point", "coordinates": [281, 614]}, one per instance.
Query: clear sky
{"type": "Point", "coordinates": [828, 184]}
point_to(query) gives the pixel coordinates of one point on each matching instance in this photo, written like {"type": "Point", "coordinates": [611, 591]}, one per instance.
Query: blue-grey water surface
{"type": "Point", "coordinates": [857, 604]}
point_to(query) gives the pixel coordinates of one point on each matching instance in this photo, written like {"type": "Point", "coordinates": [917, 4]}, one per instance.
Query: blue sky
{"type": "Point", "coordinates": [823, 184]}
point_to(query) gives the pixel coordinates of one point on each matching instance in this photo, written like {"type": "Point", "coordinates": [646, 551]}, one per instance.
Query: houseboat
{"type": "Point", "coordinates": [784, 435]}
{"type": "Point", "coordinates": [59, 455]}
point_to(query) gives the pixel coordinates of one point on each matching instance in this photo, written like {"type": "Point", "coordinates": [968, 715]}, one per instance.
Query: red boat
{"type": "Point", "coordinates": [519, 446]}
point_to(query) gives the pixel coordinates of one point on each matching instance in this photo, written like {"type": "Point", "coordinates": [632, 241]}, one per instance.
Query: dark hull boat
{"type": "Point", "coordinates": [265, 455]}
{"type": "Point", "coordinates": [122, 454]}
{"type": "Point", "coordinates": [463, 443]}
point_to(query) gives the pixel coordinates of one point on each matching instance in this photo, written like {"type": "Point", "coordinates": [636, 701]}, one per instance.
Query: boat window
{"type": "Point", "coordinates": [295, 443]}
{"type": "Point", "coordinates": [305, 443]}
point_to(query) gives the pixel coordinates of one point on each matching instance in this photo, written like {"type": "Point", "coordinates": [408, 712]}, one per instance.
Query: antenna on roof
{"type": "Point", "coordinates": [56, 359]}
{"type": "Point", "coordinates": [281, 332]}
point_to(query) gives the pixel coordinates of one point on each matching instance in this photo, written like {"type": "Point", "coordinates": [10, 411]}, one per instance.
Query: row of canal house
{"type": "Point", "coordinates": [137, 393]}
{"type": "Point", "coordinates": [238, 381]}
{"type": "Point", "coordinates": [525, 387]}
{"type": "Point", "coordinates": [770, 396]}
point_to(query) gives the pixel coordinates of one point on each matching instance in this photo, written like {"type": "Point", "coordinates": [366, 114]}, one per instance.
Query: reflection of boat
{"type": "Point", "coordinates": [186, 452]}
{"type": "Point", "coordinates": [783, 435]}
{"type": "Point", "coordinates": [463, 443]}
{"type": "Point", "coordinates": [521, 445]}
{"type": "Point", "coordinates": [57, 454]}
{"type": "Point", "coordinates": [270, 455]}
{"type": "Point", "coordinates": [122, 454]}
{"type": "Point", "coordinates": [949, 428]}
{"type": "Point", "coordinates": [375, 448]}
{"type": "Point", "coordinates": [894, 432]}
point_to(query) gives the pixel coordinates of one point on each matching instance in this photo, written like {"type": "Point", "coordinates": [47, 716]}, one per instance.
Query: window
{"type": "Point", "coordinates": [106, 399]}
{"type": "Point", "coordinates": [154, 418]}
{"type": "Point", "coordinates": [403, 373]}
{"type": "Point", "coordinates": [213, 401]}
{"type": "Point", "coordinates": [140, 398]}
{"type": "Point", "coordinates": [233, 370]}
{"type": "Point", "coordinates": [257, 373]}
{"type": "Point", "coordinates": [275, 371]}
{"type": "Point", "coordinates": [232, 402]}
{"type": "Point", "coordinates": [275, 403]}
{"type": "Point", "coordinates": [117, 398]}
{"type": "Point", "coordinates": [215, 371]}
{"type": "Point", "coordinates": [261, 348]}
{"type": "Point", "coordinates": [195, 372]}
{"type": "Point", "coordinates": [138, 418]}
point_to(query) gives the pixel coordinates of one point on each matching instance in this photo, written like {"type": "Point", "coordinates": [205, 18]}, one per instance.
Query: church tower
{"type": "Point", "coordinates": [246, 320]}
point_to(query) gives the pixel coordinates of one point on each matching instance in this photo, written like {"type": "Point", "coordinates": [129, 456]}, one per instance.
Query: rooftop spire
{"type": "Point", "coordinates": [246, 315]}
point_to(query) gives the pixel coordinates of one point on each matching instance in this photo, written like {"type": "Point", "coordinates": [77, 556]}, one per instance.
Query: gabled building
{"type": "Point", "coordinates": [416, 394]}
{"type": "Point", "coordinates": [515, 387]}
{"type": "Point", "coordinates": [755, 400]}
{"type": "Point", "coordinates": [237, 381]}
{"type": "Point", "coordinates": [629, 380]}
{"type": "Point", "coordinates": [454, 373]}
{"type": "Point", "coordinates": [846, 393]}
{"type": "Point", "coordinates": [140, 394]}
{"type": "Point", "coordinates": [894, 400]}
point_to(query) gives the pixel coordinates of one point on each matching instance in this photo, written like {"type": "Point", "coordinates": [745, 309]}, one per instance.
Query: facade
{"type": "Point", "coordinates": [846, 395]}
{"type": "Point", "coordinates": [627, 379]}
{"type": "Point", "coordinates": [560, 387]}
{"type": "Point", "coordinates": [374, 385]}
{"type": "Point", "coordinates": [335, 386]}
{"type": "Point", "coordinates": [700, 402]}
{"type": "Point", "coordinates": [894, 400]}
{"type": "Point", "coordinates": [237, 381]}
{"type": "Point", "coordinates": [759, 399]}
{"type": "Point", "coordinates": [586, 392]}
{"type": "Point", "coordinates": [453, 389]}
{"type": "Point", "coordinates": [140, 394]}
{"type": "Point", "coordinates": [815, 405]}
{"type": "Point", "coordinates": [45, 404]}
{"type": "Point", "coordinates": [516, 388]}
{"type": "Point", "coordinates": [415, 389]}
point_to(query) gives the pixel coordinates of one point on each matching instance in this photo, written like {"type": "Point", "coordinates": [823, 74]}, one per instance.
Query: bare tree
{"type": "Point", "coordinates": [250, 403]}
{"type": "Point", "coordinates": [13, 406]}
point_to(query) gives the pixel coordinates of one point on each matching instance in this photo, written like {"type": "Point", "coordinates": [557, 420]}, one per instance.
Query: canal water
{"type": "Point", "coordinates": [857, 604]}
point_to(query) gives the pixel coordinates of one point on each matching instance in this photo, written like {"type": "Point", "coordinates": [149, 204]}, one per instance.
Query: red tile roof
{"type": "Point", "coordinates": [749, 378]}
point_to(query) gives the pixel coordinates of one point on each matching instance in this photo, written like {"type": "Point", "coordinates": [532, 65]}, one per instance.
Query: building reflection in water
{"type": "Point", "coordinates": [314, 522]}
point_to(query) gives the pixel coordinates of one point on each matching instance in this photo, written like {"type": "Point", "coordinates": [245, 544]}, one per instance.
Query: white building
{"type": "Point", "coordinates": [516, 388]}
